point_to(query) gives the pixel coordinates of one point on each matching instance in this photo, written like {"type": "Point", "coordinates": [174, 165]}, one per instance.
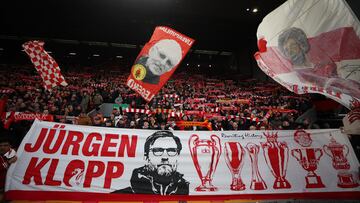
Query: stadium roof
{"type": "Point", "coordinates": [215, 25]}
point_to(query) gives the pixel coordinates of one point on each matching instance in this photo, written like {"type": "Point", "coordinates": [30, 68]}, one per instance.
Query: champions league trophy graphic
{"type": "Point", "coordinates": [276, 156]}
{"type": "Point", "coordinates": [234, 156]}
{"type": "Point", "coordinates": [257, 183]}
{"type": "Point", "coordinates": [338, 153]}
{"type": "Point", "coordinates": [205, 155]}
{"type": "Point", "coordinates": [309, 159]}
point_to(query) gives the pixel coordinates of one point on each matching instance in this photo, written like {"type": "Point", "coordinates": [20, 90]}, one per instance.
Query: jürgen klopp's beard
{"type": "Point", "coordinates": [163, 169]}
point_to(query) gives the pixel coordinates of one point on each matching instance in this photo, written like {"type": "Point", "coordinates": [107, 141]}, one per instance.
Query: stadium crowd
{"type": "Point", "coordinates": [222, 103]}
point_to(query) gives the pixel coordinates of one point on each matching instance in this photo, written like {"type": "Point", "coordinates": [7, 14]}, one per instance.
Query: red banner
{"type": "Point", "coordinates": [157, 61]}
{"type": "Point", "coordinates": [18, 116]}
{"type": "Point", "coordinates": [8, 118]}
{"type": "Point", "coordinates": [205, 124]}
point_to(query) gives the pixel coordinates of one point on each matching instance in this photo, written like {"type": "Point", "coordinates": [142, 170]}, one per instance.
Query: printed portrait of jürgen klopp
{"type": "Point", "coordinates": [159, 175]}
{"type": "Point", "coordinates": [317, 69]}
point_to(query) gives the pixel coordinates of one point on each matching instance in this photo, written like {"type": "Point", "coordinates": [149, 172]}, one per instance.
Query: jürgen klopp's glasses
{"type": "Point", "coordinates": [160, 151]}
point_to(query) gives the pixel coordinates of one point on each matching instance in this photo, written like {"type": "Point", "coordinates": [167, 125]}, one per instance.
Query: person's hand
{"type": "Point", "coordinates": [12, 160]}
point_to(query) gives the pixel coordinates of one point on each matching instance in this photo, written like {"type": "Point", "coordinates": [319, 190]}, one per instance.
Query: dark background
{"type": "Point", "coordinates": [225, 31]}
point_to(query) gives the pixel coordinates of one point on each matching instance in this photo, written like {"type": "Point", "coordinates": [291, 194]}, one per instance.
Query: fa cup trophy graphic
{"type": "Point", "coordinates": [309, 159]}
{"type": "Point", "coordinates": [338, 153]}
{"type": "Point", "coordinates": [257, 183]}
{"type": "Point", "coordinates": [234, 156]}
{"type": "Point", "coordinates": [205, 155]}
{"type": "Point", "coordinates": [276, 156]}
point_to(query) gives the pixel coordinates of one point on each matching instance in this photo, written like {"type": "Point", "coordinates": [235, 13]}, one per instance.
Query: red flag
{"type": "Point", "coordinates": [3, 102]}
{"type": "Point", "coordinates": [8, 118]}
{"type": "Point", "coordinates": [45, 65]}
{"type": "Point", "coordinates": [312, 47]}
{"type": "Point", "coordinates": [157, 61]}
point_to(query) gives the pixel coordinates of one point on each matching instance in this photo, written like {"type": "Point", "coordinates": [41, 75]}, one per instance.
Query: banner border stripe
{"type": "Point", "coordinates": [88, 196]}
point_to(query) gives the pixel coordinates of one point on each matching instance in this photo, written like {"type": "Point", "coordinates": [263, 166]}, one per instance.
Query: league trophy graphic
{"type": "Point", "coordinates": [276, 156]}
{"type": "Point", "coordinates": [205, 155]}
{"type": "Point", "coordinates": [309, 159]}
{"type": "Point", "coordinates": [257, 183]}
{"type": "Point", "coordinates": [234, 157]}
{"type": "Point", "coordinates": [338, 154]}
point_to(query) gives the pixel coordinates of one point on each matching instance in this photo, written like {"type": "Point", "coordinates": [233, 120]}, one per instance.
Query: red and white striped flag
{"type": "Point", "coordinates": [45, 65]}
{"type": "Point", "coordinates": [312, 46]}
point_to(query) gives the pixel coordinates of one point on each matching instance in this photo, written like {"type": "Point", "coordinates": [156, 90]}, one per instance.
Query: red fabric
{"type": "Point", "coordinates": [3, 102]}
{"type": "Point", "coordinates": [87, 196]}
{"type": "Point", "coordinates": [8, 118]}
{"type": "Point", "coordinates": [262, 45]}
{"type": "Point", "coordinates": [3, 170]}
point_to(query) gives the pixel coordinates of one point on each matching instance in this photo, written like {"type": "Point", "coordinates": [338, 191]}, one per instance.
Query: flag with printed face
{"type": "Point", "coordinates": [157, 61]}
{"type": "Point", "coordinates": [45, 65]}
{"type": "Point", "coordinates": [312, 46]}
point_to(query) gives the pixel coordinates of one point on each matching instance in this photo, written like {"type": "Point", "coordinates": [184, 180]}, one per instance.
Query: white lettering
{"type": "Point", "coordinates": [177, 35]}
{"type": "Point", "coordinates": [140, 89]}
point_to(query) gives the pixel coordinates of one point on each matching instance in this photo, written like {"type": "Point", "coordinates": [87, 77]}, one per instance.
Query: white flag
{"type": "Point", "coordinates": [312, 46]}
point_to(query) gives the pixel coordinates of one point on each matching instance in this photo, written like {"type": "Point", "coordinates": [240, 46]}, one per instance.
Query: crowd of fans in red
{"type": "Point", "coordinates": [225, 104]}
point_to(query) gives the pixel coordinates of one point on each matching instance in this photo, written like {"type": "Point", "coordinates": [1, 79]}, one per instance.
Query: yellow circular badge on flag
{"type": "Point", "coordinates": [139, 71]}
